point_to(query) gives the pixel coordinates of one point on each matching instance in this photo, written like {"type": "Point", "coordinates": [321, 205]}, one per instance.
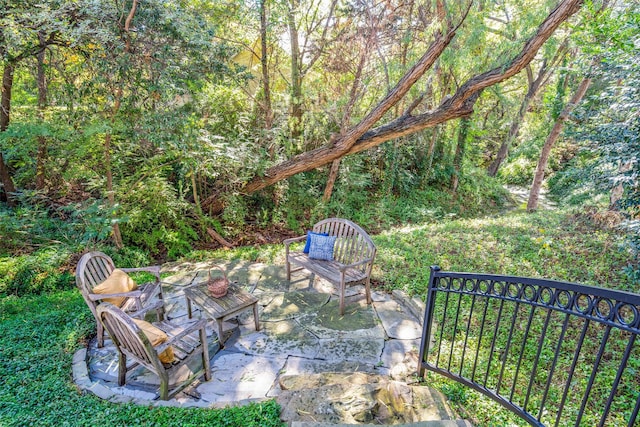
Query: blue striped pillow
{"type": "Point", "coordinates": [321, 247]}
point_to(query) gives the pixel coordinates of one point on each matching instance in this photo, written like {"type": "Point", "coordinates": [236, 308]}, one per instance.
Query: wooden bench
{"type": "Point", "coordinates": [353, 256]}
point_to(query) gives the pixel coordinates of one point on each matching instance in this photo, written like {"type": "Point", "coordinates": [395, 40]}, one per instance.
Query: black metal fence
{"type": "Point", "coordinates": [555, 353]}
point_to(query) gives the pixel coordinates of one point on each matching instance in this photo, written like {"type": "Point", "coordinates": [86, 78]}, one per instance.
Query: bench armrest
{"type": "Point", "coordinates": [345, 267]}
{"type": "Point", "coordinates": [287, 242]}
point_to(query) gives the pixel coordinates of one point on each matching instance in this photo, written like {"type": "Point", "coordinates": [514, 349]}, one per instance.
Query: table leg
{"type": "Point", "coordinates": [255, 315]}
{"type": "Point", "coordinates": [220, 334]}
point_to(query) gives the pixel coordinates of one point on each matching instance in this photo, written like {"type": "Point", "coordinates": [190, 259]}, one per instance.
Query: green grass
{"type": "Point", "coordinates": [40, 333]}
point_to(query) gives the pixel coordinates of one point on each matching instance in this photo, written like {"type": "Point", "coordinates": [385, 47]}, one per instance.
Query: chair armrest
{"type": "Point", "coordinates": [142, 312]}
{"type": "Point", "coordinates": [193, 327]}
{"type": "Point", "coordinates": [131, 294]}
{"type": "Point", "coordinates": [345, 267]}
{"type": "Point", "coordinates": [153, 269]}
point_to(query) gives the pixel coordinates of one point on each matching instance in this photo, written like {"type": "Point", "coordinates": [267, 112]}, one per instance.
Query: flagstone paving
{"type": "Point", "coordinates": [320, 366]}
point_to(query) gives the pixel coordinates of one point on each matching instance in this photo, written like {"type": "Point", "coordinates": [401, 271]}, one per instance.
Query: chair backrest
{"type": "Point", "coordinates": [93, 269]}
{"type": "Point", "coordinates": [353, 244]}
{"type": "Point", "coordinates": [128, 337]}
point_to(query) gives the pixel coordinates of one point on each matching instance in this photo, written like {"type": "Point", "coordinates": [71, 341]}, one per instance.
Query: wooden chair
{"type": "Point", "coordinates": [95, 267]}
{"type": "Point", "coordinates": [132, 343]}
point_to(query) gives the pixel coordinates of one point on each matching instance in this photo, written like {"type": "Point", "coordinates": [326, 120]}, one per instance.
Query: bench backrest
{"type": "Point", "coordinates": [353, 244]}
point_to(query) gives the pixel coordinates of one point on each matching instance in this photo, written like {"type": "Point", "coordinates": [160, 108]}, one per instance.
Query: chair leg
{"type": "Point", "coordinates": [100, 334]}
{"type": "Point", "coordinates": [164, 386]}
{"type": "Point", "coordinates": [205, 354]}
{"type": "Point", "coordinates": [122, 368]}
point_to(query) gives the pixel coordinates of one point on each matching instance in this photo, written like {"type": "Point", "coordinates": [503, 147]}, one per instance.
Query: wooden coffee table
{"type": "Point", "coordinates": [233, 303]}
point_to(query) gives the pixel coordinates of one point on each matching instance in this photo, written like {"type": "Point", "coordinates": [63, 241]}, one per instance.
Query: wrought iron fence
{"type": "Point", "coordinates": [555, 353]}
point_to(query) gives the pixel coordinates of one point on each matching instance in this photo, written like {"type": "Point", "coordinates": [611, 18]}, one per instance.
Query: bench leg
{"type": "Point", "coordinates": [367, 288]}
{"type": "Point", "coordinates": [342, 291]}
{"type": "Point", "coordinates": [288, 269]}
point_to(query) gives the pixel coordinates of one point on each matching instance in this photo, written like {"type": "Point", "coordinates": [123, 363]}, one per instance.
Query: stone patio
{"type": "Point", "coordinates": [323, 368]}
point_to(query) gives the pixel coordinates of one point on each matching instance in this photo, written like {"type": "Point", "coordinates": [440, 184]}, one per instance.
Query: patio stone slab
{"type": "Point", "coordinates": [358, 322]}
{"type": "Point", "coordinates": [300, 365]}
{"type": "Point", "coordinates": [292, 305]}
{"type": "Point", "coordinates": [398, 322]}
{"type": "Point", "coordinates": [239, 376]}
{"type": "Point", "coordinates": [281, 338]}
{"type": "Point", "coordinates": [401, 357]}
{"type": "Point", "coordinates": [356, 399]}
{"type": "Point", "coordinates": [361, 350]}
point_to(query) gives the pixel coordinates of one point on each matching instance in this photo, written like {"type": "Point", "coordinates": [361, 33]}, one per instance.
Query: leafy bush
{"type": "Point", "coordinates": [40, 272]}
{"type": "Point", "coordinates": [156, 220]}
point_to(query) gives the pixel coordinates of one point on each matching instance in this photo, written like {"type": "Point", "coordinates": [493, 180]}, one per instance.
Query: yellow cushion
{"type": "Point", "coordinates": [118, 282]}
{"type": "Point", "coordinates": [156, 337]}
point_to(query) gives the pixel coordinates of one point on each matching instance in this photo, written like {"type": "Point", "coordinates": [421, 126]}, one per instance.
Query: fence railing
{"type": "Point", "coordinates": [555, 353]}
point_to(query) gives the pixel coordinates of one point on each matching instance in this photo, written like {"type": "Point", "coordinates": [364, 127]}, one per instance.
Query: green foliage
{"type": "Point", "coordinates": [157, 221]}
{"type": "Point", "coordinates": [38, 336]}
{"type": "Point", "coordinates": [39, 272]}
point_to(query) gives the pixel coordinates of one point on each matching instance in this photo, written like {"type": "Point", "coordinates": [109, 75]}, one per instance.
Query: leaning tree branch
{"type": "Point", "coordinates": [362, 136]}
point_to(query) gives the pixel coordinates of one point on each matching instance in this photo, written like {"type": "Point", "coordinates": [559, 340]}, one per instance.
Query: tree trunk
{"type": "Point", "coordinates": [41, 156]}
{"type": "Point", "coordinates": [459, 156]}
{"type": "Point", "coordinates": [5, 116]}
{"type": "Point", "coordinates": [331, 180]}
{"type": "Point", "coordinates": [266, 107]}
{"type": "Point", "coordinates": [362, 137]}
{"type": "Point", "coordinates": [296, 78]}
{"type": "Point", "coordinates": [533, 89]}
{"type": "Point", "coordinates": [534, 195]}
{"type": "Point", "coordinates": [117, 236]}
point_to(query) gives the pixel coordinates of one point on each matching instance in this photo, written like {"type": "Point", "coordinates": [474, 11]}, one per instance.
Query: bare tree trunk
{"type": "Point", "coordinates": [5, 116]}
{"type": "Point", "coordinates": [41, 156]}
{"type": "Point", "coordinates": [268, 112]}
{"type": "Point", "coordinates": [534, 194]}
{"type": "Point", "coordinates": [362, 137]}
{"type": "Point", "coordinates": [331, 180]}
{"type": "Point", "coordinates": [296, 78]}
{"type": "Point", "coordinates": [459, 156]}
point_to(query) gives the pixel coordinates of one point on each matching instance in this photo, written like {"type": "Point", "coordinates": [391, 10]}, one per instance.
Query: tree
{"type": "Point", "coordinates": [534, 194]}
{"type": "Point", "coordinates": [364, 135]}
{"type": "Point", "coordinates": [26, 30]}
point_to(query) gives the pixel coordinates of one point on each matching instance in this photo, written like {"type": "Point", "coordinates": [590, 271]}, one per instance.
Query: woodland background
{"type": "Point", "coordinates": [151, 129]}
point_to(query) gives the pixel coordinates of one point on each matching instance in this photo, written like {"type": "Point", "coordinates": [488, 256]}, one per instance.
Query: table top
{"type": "Point", "coordinates": [235, 299]}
